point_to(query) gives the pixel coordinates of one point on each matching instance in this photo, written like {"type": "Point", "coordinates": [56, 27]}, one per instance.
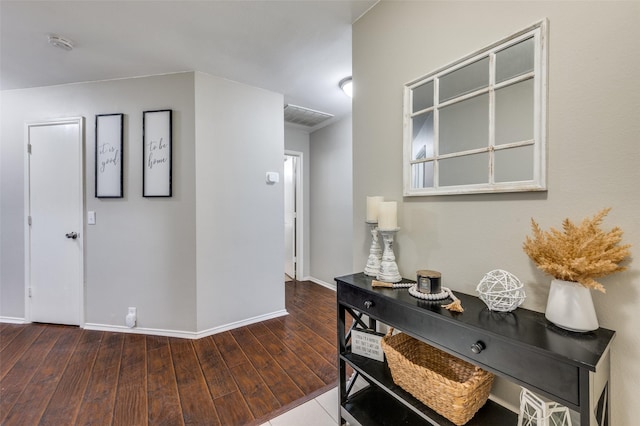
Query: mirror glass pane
{"type": "Point", "coordinates": [514, 164]}
{"type": "Point", "coordinates": [514, 113]}
{"type": "Point", "coordinates": [464, 125]}
{"type": "Point", "coordinates": [515, 60]}
{"type": "Point", "coordinates": [422, 175]}
{"type": "Point", "coordinates": [465, 170]}
{"type": "Point", "coordinates": [465, 80]}
{"type": "Point", "coordinates": [422, 142]}
{"type": "Point", "coordinates": [423, 97]}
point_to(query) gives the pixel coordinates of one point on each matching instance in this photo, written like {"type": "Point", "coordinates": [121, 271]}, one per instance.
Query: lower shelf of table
{"type": "Point", "coordinates": [373, 406]}
{"type": "Point", "coordinates": [381, 404]}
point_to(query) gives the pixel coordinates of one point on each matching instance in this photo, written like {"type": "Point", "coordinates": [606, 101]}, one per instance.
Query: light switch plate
{"type": "Point", "coordinates": [273, 177]}
{"type": "Point", "coordinates": [91, 217]}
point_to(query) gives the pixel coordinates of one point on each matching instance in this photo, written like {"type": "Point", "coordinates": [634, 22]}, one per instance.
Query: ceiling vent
{"type": "Point", "coordinates": [304, 116]}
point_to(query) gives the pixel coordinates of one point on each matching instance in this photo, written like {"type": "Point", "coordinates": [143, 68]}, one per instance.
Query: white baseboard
{"type": "Point", "coordinates": [184, 334]}
{"type": "Point", "coordinates": [140, 330]}
{"type": "Point", "coordinates": [322, 283]}
{"type": "Point", "coordinates": [13, 320]}
{"type": "Point", "coordinates": [237, 324]}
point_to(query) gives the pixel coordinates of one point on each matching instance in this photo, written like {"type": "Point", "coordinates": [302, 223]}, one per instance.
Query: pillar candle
{"type": "Point", "coordinates": [388, 215]}
{"type": "Point", "coordinates": [372, 208]}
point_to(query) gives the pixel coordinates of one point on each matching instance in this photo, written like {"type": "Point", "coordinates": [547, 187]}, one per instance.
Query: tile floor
{"type": "Point", "coordinates": [321, 411]}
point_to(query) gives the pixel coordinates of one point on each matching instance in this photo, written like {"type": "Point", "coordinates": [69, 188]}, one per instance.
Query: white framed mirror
{"type": "Point", "coordinates": [479, 124]}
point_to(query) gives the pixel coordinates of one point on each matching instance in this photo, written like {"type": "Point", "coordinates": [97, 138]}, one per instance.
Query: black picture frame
{"type": "Point", "coordinates": [157, 150]}
{"type": "Point", "coordinates": [109, 169]}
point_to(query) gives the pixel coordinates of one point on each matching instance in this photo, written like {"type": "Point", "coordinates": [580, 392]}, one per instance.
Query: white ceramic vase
{"type": "Point", "coordinates": [570, 306]}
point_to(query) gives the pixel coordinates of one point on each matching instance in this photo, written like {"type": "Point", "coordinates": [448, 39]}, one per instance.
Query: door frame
{"type": "Point", "coordinates": [27, 209]}
{"type": "Point", "coordinates": [299, 228]}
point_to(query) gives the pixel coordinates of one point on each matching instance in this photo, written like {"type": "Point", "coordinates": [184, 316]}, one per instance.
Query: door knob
{"type": "Point", "coordinates": [72, 235]}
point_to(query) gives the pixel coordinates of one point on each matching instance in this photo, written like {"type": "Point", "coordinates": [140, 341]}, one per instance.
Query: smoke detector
{"type": "Point", "coordinates": [61, 42]}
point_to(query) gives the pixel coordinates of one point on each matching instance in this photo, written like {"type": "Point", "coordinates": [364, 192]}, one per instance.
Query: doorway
{"type": "Point", "coordinates": [293, 197]}
{"type": "Point", "coordinates": [54, 235]}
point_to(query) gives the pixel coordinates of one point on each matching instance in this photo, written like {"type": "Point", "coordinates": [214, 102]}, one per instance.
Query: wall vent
{"type": "Point", "coordinates": [304, 116]}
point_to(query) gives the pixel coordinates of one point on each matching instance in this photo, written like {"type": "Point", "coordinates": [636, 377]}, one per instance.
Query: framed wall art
{"type": "Point", "coordinates": [478, 125]}
{"type": "Point", "coordinates": [108, 153]}
{"type": "Point", "coordinates": [156, 138]}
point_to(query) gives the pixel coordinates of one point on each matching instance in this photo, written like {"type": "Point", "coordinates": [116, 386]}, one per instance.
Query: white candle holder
{"type": "Point", "coordinates": [388, 267]}
{"type": "Point", "coordinates": [375, 252]}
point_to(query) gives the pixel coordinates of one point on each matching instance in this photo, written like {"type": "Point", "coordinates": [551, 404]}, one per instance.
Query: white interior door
{"type": "Point", "coordinates": [289, 215]}
{"type": "Point", "coordinates": [55, 234]}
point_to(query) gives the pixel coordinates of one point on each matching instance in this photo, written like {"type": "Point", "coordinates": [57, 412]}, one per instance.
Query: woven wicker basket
{"type": "Point", "coordinates": [450, 386]}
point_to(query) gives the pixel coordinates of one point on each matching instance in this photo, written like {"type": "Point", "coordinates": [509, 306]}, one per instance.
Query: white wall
{"type": "Point", "coordinates": [141, 252]}
{"type": "Point", "coordinates": [594, 105]}
{"type": "Point", "coordinates": [298, 140]}
{"type": "Point", "coordinates": [331, 201]}
{"type": "Point", "coordinates": [209, 257]}
{"type": "Point", "coordinates": [240, 218]}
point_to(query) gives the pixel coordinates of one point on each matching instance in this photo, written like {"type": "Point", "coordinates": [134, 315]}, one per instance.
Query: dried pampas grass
{"type": "Point", "coordinates": [578, 253]}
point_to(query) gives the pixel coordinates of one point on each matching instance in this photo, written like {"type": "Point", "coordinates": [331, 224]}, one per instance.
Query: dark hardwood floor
{"type": "Point", "coordinates": [59, 375]}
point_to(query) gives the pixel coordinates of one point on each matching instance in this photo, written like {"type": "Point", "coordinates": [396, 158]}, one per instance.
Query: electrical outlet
{"type": "Point", "coordinates": [131, 318]}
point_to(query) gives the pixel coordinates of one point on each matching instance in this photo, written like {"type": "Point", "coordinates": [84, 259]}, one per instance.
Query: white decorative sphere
{"type": "Point", "coordinates": [501, 291]}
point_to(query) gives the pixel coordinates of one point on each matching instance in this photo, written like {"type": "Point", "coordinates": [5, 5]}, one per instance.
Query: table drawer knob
{"type": "Point", "coordinates": [368, 304]}
{"type": "Point", "coordinates": [477, 347]}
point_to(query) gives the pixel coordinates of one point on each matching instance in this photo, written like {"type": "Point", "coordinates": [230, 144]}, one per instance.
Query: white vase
{"type": "Point", "coordinates": [570, 306]}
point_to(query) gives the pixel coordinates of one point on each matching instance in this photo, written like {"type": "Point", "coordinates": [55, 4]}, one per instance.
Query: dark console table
{"type": "Point", "coordinates": [521, 346]}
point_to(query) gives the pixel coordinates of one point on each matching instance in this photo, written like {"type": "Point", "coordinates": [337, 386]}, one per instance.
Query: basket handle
{"type": "Point", "coordinates": [389, 333]}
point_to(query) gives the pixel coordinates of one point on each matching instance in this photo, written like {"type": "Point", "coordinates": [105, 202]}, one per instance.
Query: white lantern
{"type": "Point", "coordinates": [536, 412]}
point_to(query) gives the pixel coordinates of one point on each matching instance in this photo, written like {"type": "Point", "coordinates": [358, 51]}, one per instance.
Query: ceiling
{"type": "Point", "coordinates": [301, 48]}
